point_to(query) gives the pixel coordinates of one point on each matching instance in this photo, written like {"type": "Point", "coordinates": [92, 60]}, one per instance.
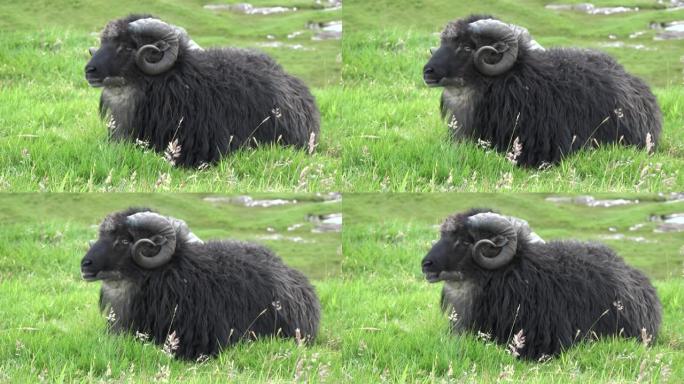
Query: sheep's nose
{"type": "Point", "coordinates": [428, 70]}
{"type": "Point", "coordinates": [86, 263]}
{"type": "Point", "coordinates": [90, 68]}
{"type": "Point", "coordinates": [427, 264]}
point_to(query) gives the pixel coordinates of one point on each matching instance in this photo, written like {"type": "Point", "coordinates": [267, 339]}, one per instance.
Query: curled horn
{"type": "Point", "coordinates": [505, 238]}
{"type": "Point", "coordinates": [185, 39]}
{"type": "Point", "coordinates": [183, 233]}
{"type": "Point", "coordinates": [167, 43]}
{"type": "Point", "coordinates": [522, 228]}
{"type": "Point", "coordinates": [506, 44]}
{"type": "Point", "coordinates": [164, 237]}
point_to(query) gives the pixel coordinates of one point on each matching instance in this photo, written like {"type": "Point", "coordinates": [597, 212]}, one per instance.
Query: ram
{"type": "Point", "coordinates": [502, 280]}
{"type": "Point", "coordinates": [504, 89]}
{"type": "Point", "coordinates": [159, 279]}
{"type": "Point", "coordinates": [163, 90]}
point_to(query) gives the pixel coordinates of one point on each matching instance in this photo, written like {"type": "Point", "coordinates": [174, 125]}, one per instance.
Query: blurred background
{"type": "Point", "coordinates": [302, 35]}
{"type": "Point", "coordinates": [397, 230]}
{"type": "Point", "coordinates": [52, 136]}
{"type": "Point", "coordinates": [644, 35]}
{"type": "Point", "coordinates": [44, 236]}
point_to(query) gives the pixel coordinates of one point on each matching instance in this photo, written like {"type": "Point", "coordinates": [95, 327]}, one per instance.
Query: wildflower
{"type": "Point", "coordinates": [312, 142]}
{"type": "Point", "coordinates": [484, 144]}
{"type": "Point", "coordinates": [453, 316]}
{"type": "Point", "coordinates": [515, 152]}
{"type": "Point", "coordinates": [111, 317]}
{"type": "Point", "coordinates": [544, 358]}
{"type": "Point", "coordinates": [645, 337]}
{"type": "Point", "coordinates": [172, 152]}
{"type": "Point", "coordinates": [111, 124]}
{"type": "Point", "coordinates": [506, 181]}
{"type": "Point", "coordinates": [144, 144]}
{"type": "Point", "coordinates": [298, 338]}
{"type": "Point", "coordinates": [516, 344]}
{"type": "Point", "coordinates": [650, 145]}
{"type": "Point", "coordinates": [163, 375]}
{"type": "Point", "coordinates": [164, 180]}
{"type": "Point", "coordinates": [507, 373]}
{"type": "Point", "coordinates": [544, 166]}
{"type": "Point", "coordinates": [484, 336]}
{"type": "Point", "coordinates": [142, 336]}
{"type": "Point", "coordinates": [454, 124]}
{"type": "Point", "coordinates": [171, 344]}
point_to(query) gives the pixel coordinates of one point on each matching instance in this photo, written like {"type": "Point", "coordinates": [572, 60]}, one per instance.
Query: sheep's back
{"type": "Point", "coordinates": [560, 100]}
{"type": "Point", "coordinates": [564, 292]}
{"type": "Point", "coordinates": [221, 292]}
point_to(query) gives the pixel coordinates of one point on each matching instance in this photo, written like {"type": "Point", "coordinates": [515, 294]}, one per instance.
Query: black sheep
{"type": "Point", "coordinates": [159, 279]}
{"type": "Point", "coordinates": [162, 89]}
{"type": "Point", "coordinates": [500, 86]}
{"type": "Point", "coordinates": [500, 279]}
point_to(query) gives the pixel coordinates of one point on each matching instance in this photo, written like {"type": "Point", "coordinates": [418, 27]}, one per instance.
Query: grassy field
{"type": "Point", "coordinates": [402, 336]}
{"type": "Point", "coordinates": [396, 141]}
{"type": "Point", "coordinates": [51, 137]}
{"type": "Point", "coordinates": [381, 320]}
{"type": "Point", "coordinates": [50, 325]}
{"type": "Point", "coordinates": [380, 132]}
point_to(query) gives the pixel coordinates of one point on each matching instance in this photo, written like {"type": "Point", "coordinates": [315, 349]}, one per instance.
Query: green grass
{"type": "Point", "coordinates": [381, 320]}
{"type": "Point", "coordinates": [396, 141]}
{"type": "Point", "coordinates": [380, 125]}
{"type": "Point", "coordinates": [51, 137]}
{"type": "Point", "coordinates": [400, 333]}
{"type": "Point", "coordinates": [50, 325]}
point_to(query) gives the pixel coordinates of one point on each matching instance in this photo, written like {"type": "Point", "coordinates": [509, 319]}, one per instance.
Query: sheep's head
{"type": "Point", "coordinates": [478, 239]}
{"type": "Point", "coordinates": [472, 46]}
{"type": "Point", "coordinates": [133, 241]}
{"type": "Point", "coordinates": [136, 43]}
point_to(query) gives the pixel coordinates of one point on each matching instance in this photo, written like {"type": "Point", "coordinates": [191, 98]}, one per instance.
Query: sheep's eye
{"type": "Point", "coordinates": [121, 49]}
{"type": "Point", "coordinates": [461, 243]}
{"type": "Point", "coordinates": [467, 48]}
{"type": "Point", "coordinates": [464, 243]}
{"type": "Point", "coordinates": [121, 241]}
